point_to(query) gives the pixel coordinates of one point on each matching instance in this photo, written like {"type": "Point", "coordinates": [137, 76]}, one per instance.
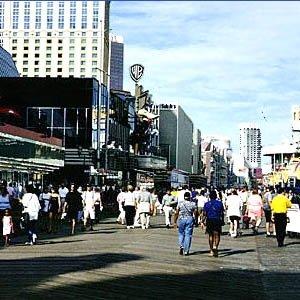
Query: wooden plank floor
{"type": "Point", "coordinates": [115, 263]}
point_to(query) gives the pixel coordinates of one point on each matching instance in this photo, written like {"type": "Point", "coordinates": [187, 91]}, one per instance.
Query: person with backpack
{"type": "Point", "coordinates": [213, 212]}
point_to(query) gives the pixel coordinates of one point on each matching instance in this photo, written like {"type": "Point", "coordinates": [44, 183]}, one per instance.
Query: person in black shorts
{"type": "Point", "coordinates": [213, 217]}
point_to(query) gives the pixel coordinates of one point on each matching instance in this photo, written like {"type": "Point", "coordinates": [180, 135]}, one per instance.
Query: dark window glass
{"type": "Point", "coordinates": [59, 133]}
{"type": "Point", "coordinates": [71, 138]}
{"type": "Point", "coordinates": [33, 117]}
{"type": "Point", "coordinates": [83, 138]}
{"type": "Point", "coordinates": [82, 118]}
{"type": "Point", "coordinates": [71, 117]}
{"type": "Point", "coordinates": [45, 115]}
{"type": "Point", "coordinates": [58, 117]}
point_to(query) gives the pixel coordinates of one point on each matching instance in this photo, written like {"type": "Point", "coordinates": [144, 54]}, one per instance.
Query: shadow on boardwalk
{"type": "Point", "coordinates": [32, 279]}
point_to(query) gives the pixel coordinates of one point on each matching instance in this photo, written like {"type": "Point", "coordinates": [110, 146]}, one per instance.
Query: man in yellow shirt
{"type": "Point", "coordinates": [279, 206]}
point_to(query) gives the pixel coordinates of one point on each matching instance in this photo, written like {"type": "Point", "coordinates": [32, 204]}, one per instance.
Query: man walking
{"type": "Point", "coordinates": [234, 205]}
{"type": "Point", "coordinates": [89, 200]}
{"type": "Point", "coordinates": [63, 191]}
{"type": "Point", "coordinates": [167, 201]}
{"type": "Point", "coordinates": [279, 206]}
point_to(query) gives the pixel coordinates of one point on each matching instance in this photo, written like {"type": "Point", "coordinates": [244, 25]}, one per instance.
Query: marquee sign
{"type": "Point", "coordinates": [136, 72]}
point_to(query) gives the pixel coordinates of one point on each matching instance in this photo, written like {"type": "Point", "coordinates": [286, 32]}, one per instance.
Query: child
{"type": "Point", "coordinates": [7, 226]}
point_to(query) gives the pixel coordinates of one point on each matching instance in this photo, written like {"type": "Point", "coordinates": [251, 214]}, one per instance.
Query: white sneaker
{"type": "Point", "coordinates": [34, 238]}
{"type": "Point", "coordinates": [29, 243]}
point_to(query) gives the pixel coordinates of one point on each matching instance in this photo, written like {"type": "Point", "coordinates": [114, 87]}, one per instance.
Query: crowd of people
{"type": "Point", "coordinates": [209, 209]}
{"type": "Point", "coordinates": [47, 209]}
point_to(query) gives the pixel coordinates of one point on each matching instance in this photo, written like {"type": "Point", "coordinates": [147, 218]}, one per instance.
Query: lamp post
{"type": "Point", "coordinates": [229, 158]}
{"type": "Point", "coordinates": [107, 114]}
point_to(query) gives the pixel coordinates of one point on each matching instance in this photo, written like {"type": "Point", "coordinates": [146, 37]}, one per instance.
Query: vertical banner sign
{"type": "Point", "coordinates": [136, 72]}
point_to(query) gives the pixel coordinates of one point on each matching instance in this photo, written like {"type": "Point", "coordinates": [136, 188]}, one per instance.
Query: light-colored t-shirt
{"type": "Point", "coordinates": [31, 205]}
{"type": "Point", "coordinates": [63, 192]}
{"type": "Point", "coordinates": [201, 200]}
{"type": "Point", "coordinates": [181, 193]}
{"type": "Point", "coordinates": [234, 205]}
{"type": "Point", "coordinates": [168, 200]}
{"type": "Point", "coordinates": [46, 198]}
{"type": "Point", "coordinates": [254, 203]}
{"type": "Point", "coordinates": [88, 199]}
{"type": "Point", "coordinates": [129, 199]}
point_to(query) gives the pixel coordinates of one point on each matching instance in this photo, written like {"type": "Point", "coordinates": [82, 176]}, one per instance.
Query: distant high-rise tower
{"type": "Point", "coordinates": [116, 62]}
{"type": "Point", "coordinates": [296, 123]}
{"type": "Point", "coordinates": [250, 144]}
{"type": "Point", "coordinates": [57, 38]}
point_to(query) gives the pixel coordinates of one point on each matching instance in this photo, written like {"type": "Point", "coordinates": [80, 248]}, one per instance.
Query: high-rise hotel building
{"type": "Point", "coordinates": [57, 38]}
{"type": "Point", "coordinates": [250, 144]}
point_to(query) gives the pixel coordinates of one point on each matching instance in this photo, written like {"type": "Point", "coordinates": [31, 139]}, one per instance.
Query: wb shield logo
{"type": "Point", "coordinates": [136, 72]}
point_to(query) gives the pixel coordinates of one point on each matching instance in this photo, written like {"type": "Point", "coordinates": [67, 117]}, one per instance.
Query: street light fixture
{"type": "Point", "coordinates": [106, 116]}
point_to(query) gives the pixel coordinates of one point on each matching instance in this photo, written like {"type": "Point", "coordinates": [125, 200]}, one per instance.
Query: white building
{"type": "Point", "coordinates": [57, 38]}
{"type": "Point", "coordinates": [196, 158]}
{"type": "Point", "coordinates": [176, 136]}
{"type": "Point", "coordinates": [250, 144]}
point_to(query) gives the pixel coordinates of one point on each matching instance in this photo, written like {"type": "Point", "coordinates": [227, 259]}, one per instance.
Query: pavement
{"type": "Point", "coordinates": [113, 262]}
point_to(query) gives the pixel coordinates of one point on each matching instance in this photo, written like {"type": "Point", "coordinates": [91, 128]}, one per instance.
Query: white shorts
{"type": "Point", "coordinates": [89, 212]}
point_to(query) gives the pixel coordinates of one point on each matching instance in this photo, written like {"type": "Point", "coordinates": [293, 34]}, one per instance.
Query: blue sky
{"type": "Point", "coordinates": [223, 62]}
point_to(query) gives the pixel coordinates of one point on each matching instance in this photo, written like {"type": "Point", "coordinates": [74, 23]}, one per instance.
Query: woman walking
{"type": "Point", "coordinates": [73, 205]}
{"type": "Point", "coordinates": [129, 207]}
{"type": "Point", "coordinates": [254, 210]}
{"type": "Point", "coordinates": [120, 200]}
{"type": "Point", "coordinates": [54, 209]}
{"type": "Point", "coordinates": [44, 202]}
{"type": "Point", "coordinates": [186, 214]}
{"type": "Point", "coordinates": [144, 207]}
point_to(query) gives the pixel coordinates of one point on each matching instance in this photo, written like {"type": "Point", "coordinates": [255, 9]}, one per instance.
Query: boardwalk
{"type": "Point", "coordinates": [115, 263]}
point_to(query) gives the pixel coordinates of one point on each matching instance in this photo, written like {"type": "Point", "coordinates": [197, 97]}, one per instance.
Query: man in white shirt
{"type": "Point", "coordinates": [167, 201]}
{"type": "Point", "coordinates": [63, 191]}
{"type": "Point", "coordinates": [32, 207]}
{"type": "Point", "coordinates": [201, 200]}
{"type": "Point", "coordinates": [89, 200]}
{"type": "Point", "coordinates": [180, 195]}
{"type": "Point", "coordinates": [234, 205]}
